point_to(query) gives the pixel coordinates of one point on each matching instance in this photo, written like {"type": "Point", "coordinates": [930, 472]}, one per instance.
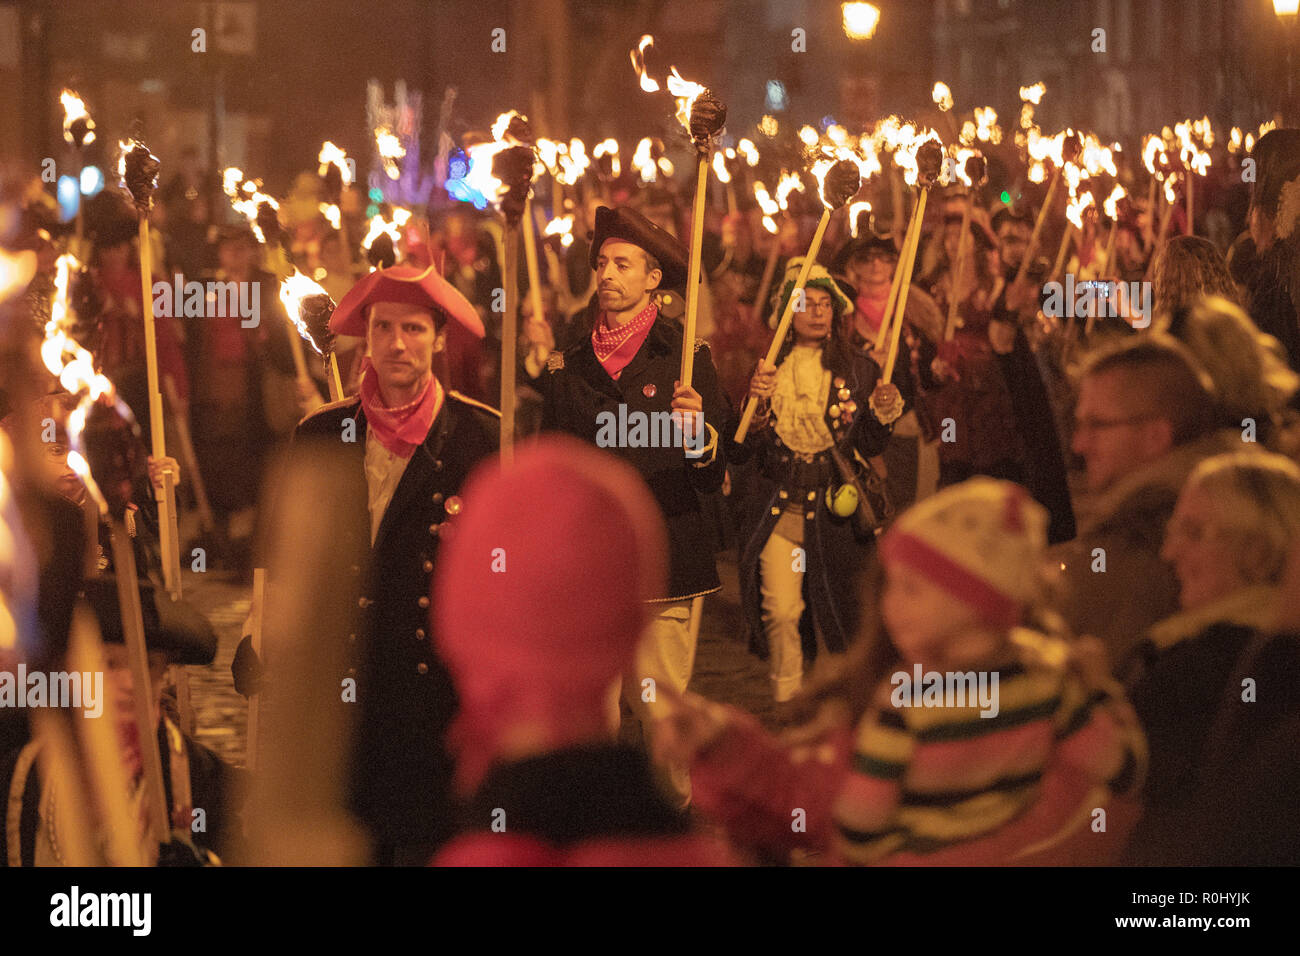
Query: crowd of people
{"type": "Point", "coordinates": [1093, 523]}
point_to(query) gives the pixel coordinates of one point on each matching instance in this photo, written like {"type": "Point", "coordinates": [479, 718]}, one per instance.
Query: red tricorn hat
{"type": "Point", "coordinates": [407, 284]}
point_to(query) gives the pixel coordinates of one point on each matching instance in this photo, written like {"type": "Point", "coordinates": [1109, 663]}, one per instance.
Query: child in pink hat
{"type": "Point", "coordinates": [988, 742]}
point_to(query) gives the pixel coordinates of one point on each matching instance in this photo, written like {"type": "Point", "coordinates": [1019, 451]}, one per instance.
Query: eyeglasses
{"type": "Point", "coordinates": [810, 306]}
{"type": "Point", "coordinates": [1099, 424]}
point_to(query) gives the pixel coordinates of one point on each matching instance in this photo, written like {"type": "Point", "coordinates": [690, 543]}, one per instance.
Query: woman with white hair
{"type": "Point", "coordinates": [1197, 682]}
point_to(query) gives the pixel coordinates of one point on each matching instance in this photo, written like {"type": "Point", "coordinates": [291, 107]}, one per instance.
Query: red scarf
{"type": "Point", "coordinates": [399, 430]}
{"type": "Point", "coordinates": [615, 348]}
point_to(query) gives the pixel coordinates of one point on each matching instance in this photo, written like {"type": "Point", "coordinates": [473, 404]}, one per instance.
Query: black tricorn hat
{"type": "Point", "coordinates": [862, 244]}
{"type": "Point", "coordinates": [630, 226]}
{"type": "Point", "coordinates": [173, 627]}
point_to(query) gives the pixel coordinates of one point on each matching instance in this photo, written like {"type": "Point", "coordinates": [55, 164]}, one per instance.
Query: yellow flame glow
{"type": "Point", "coordinates": [74, 109]}
{"type": "Point", "coordinates": [638, 63]}
{"type": "Point", "coordinates": [942, 96]}
{"type": "Point", "coordinates": [331, 154]}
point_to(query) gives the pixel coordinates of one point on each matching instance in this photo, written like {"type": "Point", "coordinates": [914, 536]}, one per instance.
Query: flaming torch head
{"type": "Point", "coordinates": [929, 162]}
{"type": "Point", "coordinates": [78, 127]}
{"type": "Point", "coordinates": [841, 183]}
{"type": "Point", "coordinates": [975, 170]}
{"type": "Point", "coordinates": [139, 171]}
{"type": "Point", "coordinates": [310, 309]}
{"type": "Point", "coordinates": [513, 166]}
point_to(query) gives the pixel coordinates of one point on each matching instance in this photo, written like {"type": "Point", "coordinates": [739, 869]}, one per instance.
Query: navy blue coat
{"type": "Point", "coordinates": [834, 555]}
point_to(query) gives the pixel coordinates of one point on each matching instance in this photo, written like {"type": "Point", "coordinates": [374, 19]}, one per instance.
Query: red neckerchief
{"type": "Point", "coordinates": [615, 348]}
{"type": "Point", "coordinates": [399, 430]}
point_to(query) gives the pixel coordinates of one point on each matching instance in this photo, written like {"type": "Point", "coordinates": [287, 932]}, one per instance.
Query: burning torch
{"type": "Point", "coordinates": [139, 171]}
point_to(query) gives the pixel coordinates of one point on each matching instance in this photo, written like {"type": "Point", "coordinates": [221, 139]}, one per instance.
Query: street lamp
{"type": "Point", "coordinates": [861, 19]}
{"type": "Point", "coordinates": [1286, 11]}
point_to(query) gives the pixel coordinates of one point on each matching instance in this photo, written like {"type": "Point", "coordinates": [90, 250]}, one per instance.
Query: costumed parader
{"type": "Point", "coordinates": [816, 500]}
{"type": "Point", "coordinates": [625, 376]}
{"type": "Point", "coordinates": [411, 442]}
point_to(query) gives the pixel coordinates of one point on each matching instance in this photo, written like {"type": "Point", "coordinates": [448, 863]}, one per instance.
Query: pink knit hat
{"type": "Point", "coordinates": [983, 541]}
{"type": "Point", "coordinates": [539, 599]}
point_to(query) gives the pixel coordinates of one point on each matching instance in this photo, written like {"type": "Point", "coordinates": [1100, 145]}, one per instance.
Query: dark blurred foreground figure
{"type": "Point", "coordinates": [1214, 685]}
{"type": "Point", "coordinates": [1272, 268]}
{"type": "Point", "coordinates": [538, 612]}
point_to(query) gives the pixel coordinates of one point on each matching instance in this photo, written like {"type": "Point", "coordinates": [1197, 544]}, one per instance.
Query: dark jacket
{"type": "Point", "coordinates": [582, 806]}
{"type": "Point", "coordinates": [576, 389]}
{"type": "Point", "coordinates": [833, 554]}
{"type": "Point", "coordinates": [401, 772]}
{"type": "Point", "coordinates": [1224, 777]}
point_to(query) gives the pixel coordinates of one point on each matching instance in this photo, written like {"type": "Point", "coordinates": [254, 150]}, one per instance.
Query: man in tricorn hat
{"type": "Point", "coordinates": [627, 371]}
{"type": "Point", "coordinates": [411, 442]}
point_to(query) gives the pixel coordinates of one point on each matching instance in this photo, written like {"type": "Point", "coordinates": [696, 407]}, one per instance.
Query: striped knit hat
{"type": "Point", "coordinates": [983, 541]}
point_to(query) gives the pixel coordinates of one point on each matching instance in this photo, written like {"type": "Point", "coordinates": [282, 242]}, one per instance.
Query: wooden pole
{"type": "Point", "coordinates": [1165, 218]}
{"type": "Point", "coordinates": [769, 270]}
{"type": "Point", "coordinates": [950, 327]}
{"type": "Point", "coordinates": [1038, 226]}
{"type": "Point", "coordinates": [886, 318]}
{"type": "Point", "coordinates": [787, 315]}
{"type": "Point", "coordinates": [1063, 249]}
{"type": "Point", "coordinates": [334, 382]}
{"type": "Point", "coordinates": [166, 496]}
{"type": "Point", "coordinates": [905, 283]}
{"type": "Point", "coordinates": [257, 614]}
{"type": "Point", "coordinates": [1191, 205]}
{"type": "Point", "coordinates": [693, 274]}
{"type": "Point", "coordinates": [1108, 270]}
{"type": "Point", "coordinates": [128, 596]}
{"type": "Point", "coordinates": [206, 519]}
{"type": "Point", "coordinates": [509, 336]}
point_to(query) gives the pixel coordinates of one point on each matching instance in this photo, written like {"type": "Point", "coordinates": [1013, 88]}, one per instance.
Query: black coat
{"type": "Point", "coordinates": [401, 770]}
{"type": "Point", "coordinates": [576, 389]}
{"type": "Point", "coordinates": [834, 556]}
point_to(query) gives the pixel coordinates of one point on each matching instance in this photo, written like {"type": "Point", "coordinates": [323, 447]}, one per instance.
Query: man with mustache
{"type": "Point", "coordinates": [633, 358]}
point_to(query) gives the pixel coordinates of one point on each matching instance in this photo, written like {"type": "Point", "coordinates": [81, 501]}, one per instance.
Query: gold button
{"type": "Point", "coordinates": [812, 496]}
{"type": "Point", "coordinates": [364, 602]}
{"type": "Point", "coordinates": [423, 602]}
{"type": "Point", "coordinates": [352, 672]}
{"type": "Point", "coordinates": [422, 667]}
{"type": "Point", "coordinates": [437, 497]}
{"type": "Point", "coordinates": [419, 633]}
{"type": "Point", "coordinates": [776, 510]}
{"type": "Point", "coordinates": [433, 530]}
{"type": "Point", "coordinates": [810, 516]}
{"type": "Point", "coordinates": [783, 494]}
{"type": "Point", "coordinates": [352, 638]}
{"type": "Point", "coordinates": [428, 567]}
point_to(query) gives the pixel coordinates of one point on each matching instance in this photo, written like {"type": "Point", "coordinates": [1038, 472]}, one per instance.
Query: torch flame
{"type": "Point", "coordinates": [246, 196]}
{"type": "Point", "coordinates": [942, 96]}
{"type": "Point", "coordinates": [73, 110]}
{"type": "Point", "coordinates": [1075, 208]}
{"type": "Point", "coordinates": [720, 168]}
{"type": "Point", "coordinates": [1111, 205]}
{"type": "Point", "coordinates": [1033, 94]}
{"type": "Point", "coordinates": [329, 153]}
{"type": "Point", "coordinates": [292, 291]}
{"type": "Point", "coordinates": [608, 147]}
{"type": "Point", "coordinates": [747, 149]}
{"type": "Point", "coordinates": [561, 226]}
{"type": "Point", "coordinates": [686, 92]}
{"type": "Point", "coordinates": [790, 182]}
{"type": "Point", "coordinates": [854, 209]}
{"type": "Point", "coordinates": [390, 150]}
{"type": "Point", "coordinates": [638, 63]}
{"type": "Point", "coordinates": [379, 225]}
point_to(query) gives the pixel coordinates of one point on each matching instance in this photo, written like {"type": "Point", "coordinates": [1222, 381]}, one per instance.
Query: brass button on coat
{"type": "Point", "coordinates": [419, 633]}
{"type": "Point", "coordinates": [428, 567]}
{"type": "Point", "coordinates": [423, 602]}
{"type": "Point", "coordinates": [422, 667]}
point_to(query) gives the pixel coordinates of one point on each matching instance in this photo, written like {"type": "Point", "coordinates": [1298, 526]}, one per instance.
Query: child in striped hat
{"type": "Point", "coordinates": [986, 743]}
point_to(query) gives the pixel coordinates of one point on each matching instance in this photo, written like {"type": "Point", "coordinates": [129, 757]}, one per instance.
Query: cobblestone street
{"type": "Point", "coordinates": [724, 670]}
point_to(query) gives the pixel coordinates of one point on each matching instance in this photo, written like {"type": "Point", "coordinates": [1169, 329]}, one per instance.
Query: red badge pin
{"type": "Point", "coordinates": [648, 391]}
